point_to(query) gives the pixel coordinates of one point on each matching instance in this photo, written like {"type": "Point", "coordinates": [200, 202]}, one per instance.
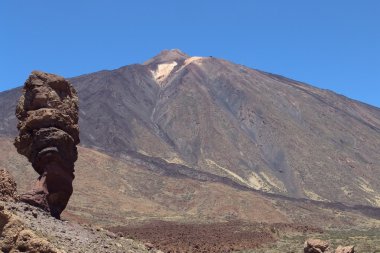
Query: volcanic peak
{"type": "Point", "coordinates": [167, 56]}
{"type": "Point", "coordinates": [167, 62]}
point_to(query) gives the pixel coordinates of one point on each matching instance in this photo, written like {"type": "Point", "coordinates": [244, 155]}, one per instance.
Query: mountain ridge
{"type": "Point", "coordinates": [261, 130]}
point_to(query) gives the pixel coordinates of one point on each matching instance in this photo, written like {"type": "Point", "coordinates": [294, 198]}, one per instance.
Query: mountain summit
{"type": "Point", "coordinates": [168, 62]}
{"type": "Point", "coordinates": [205, 117]}
{"type": "Point", "coordinates": [166, 56]}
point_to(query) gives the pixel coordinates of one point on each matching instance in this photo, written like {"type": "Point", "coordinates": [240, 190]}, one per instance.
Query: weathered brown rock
{"type": "Point", "coordinates": [7, 186]}
{"type": "Point", "coordinates": [315, 246]}
{"type": "Point", "coordinates": [48, 135]}
{"type": "Point", "coordinates": [24, 228]}
{"type": "Point", "coordinates": [346, 249]}
{"type": "Point", "coordinates": [14, 237]}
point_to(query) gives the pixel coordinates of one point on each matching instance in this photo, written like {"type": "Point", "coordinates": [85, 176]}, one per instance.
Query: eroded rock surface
{"type": "Point", "coordinates": [315, 246]}
{"type": "Point", "coordinates": [48, 135]}
{"type": "Point", "coordinates": [24, 228]}
{"type": "Point", "coordinates": [15, 237]}
{"type": "Point", "coordinates": [319, 246]}
{"type": "Point", "coordinates": [346, 249]}
{"type": "Point", "coordinates": [7, 186]}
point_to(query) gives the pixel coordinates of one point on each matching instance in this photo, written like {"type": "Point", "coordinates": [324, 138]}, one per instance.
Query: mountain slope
{"type": "Point", "coordinates": [139, 191]}
{"type": "Point", "coordinates": [261, 130]}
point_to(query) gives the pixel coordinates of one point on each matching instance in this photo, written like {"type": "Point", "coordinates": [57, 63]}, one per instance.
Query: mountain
{"type": "Point", "coordinates": [203, 118]}
{"type": "Point", "coordinates": [141, 191]}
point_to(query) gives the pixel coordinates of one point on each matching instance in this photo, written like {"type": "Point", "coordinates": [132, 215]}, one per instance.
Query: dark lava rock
{"type": "Point", "coordinates": [48, 135]}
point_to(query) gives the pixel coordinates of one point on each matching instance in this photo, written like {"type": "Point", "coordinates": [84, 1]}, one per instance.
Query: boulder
{"type": "Point", "coordinates": [315, 246]}
{"type": "Point", "coordinates": [48, 134]}
{"type": "Point", "coordinates": [346, 249]}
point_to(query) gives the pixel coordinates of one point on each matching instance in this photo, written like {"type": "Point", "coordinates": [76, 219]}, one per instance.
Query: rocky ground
{"type": "Point", "coordinates": [364, 241]}
{"type": "Point", "coordinates": [211, 238]}
{"type": "Point", "coordinates": [252, 237]}
{"type": "Point", "coordinates": [24, 228]}
{"type": "Point", "coordinates": [8, 187]}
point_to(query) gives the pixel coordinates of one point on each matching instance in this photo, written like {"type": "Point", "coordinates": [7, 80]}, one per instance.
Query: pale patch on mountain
{"type": "Point", "coordinates": [229, 172]}
{"type": "Point", "coordinates": [196, 59]}
{"type": "Point", "coordinates": [314, 196]}
{"type": "Point", "coordinates": [175, 160]}
{"type": "Point", "coordinates": [163, 71]}
{"type": "Point", "coordinates": [258, 183]}
{"type": "Point", "coordinates": [273, 182]}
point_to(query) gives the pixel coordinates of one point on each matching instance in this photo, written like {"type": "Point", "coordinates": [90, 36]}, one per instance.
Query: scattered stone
{"type": "Point", "coordinates": [319, 246]}
{"type": "Point", "coordinates": [347, 249]}
{"type": "Point", "coordinates": [315, 246]}
{"type": "Point", "coordinates": [149, 246]}
{"type": "Point", "coordinates": [21, 232]}
{"type": "Point", "coordinates": [48, 134]}
{"type": "Point", "coordinates": [111, 235]}
{"type": "Point", "coordinates": [15, 238]}
{"type": "Point", "coordinates": [27, 241]}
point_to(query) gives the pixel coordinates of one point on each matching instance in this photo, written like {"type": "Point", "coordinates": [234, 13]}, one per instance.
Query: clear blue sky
{"type": "Point", "coordinates": [332, 44]}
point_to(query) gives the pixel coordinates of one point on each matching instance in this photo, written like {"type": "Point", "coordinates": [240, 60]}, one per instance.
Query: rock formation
{"type": "Point", "coordinates": [14, 237]}
{"type": "Point", "coordinates": [24, 228]}
{"type": "Point", "coordinates": [48, 135]}
{"type": "Point", "coordinates": [7, 186]}
{"type": "Point", "coordinates": [346, 249]}
{"type": "Point", "coordinates": [315, 246]}
{"type": "Point", "coordinates": [319, 246]}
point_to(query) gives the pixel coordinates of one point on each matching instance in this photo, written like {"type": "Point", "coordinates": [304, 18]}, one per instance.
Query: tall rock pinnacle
{"type": "Point", "coordinates": [48, 135]}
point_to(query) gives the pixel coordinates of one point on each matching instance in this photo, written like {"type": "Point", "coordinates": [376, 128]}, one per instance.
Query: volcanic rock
{"type": "Point", "coordinates": [48, 135]}
{"type": "Point", "coordinates": [15, 238]}
{"type": "Point", "coordinates": [7, 186]}
{"type": "Point", "coordinates": [346, 249]}
{"type": "Point", "coordinates": [315, 246]}
{"type": "Point", "coordinates": [20, 231]}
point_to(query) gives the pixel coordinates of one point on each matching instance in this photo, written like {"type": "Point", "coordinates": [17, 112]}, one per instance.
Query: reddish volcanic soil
{"type": "Point", "coordinates": [218, 237]}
